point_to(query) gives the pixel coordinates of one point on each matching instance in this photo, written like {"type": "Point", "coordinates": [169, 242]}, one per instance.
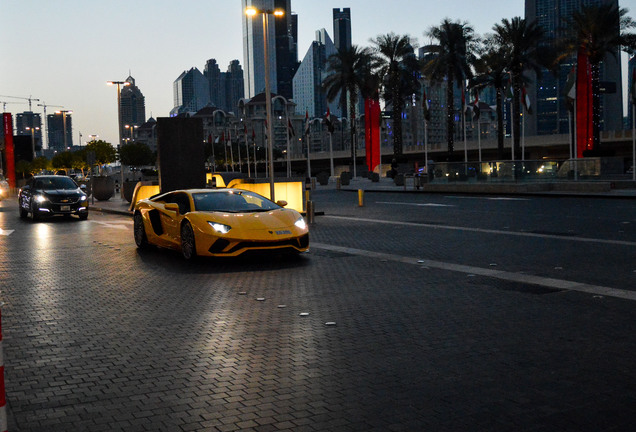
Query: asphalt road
{"type": "Point", "coordinates": [413, 312]}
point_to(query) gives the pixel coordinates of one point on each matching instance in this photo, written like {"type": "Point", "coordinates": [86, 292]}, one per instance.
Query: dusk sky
{"type": "Point", "coordinates": [62, 52]}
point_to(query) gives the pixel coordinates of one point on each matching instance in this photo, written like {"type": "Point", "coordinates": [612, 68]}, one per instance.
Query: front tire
{"type": "Point", "coordinates": [23, 213]}
{"type": "Point", "coordinates": [34, 213]}
{"type": "Point", "coordinates": [188, 245]}
{"type": "Point", "coordinates": [83, 216]}
{"type": "Point", "coordinates": [141, 240]}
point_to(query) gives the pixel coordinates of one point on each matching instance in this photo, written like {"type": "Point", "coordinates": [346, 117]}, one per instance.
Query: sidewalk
{"type": "Point", "coordinates": [596, 189]}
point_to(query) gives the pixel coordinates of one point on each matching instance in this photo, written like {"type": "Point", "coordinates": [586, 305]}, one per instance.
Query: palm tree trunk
{"type": "Point", "coordinates": [500, 124]}
{"type": "Point", "coordinates": [516, 124]}
{"type": "Point", "coordinates": [450, 114]}
{"type": "Point", "coordinates": [396, 101]}
{"type": "Point", "coordinates": [352, 128]}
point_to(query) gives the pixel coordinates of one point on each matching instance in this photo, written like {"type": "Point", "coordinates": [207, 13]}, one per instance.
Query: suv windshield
{"type": "Point", "coordinates": [52, 183]}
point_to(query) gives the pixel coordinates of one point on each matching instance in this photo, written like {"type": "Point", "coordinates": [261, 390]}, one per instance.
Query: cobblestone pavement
{"type": "Point", "coordinates": [402, 317]}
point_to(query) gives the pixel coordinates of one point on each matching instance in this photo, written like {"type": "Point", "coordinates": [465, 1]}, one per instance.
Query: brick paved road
{"type": "Point", "coordinates": [98, 336]}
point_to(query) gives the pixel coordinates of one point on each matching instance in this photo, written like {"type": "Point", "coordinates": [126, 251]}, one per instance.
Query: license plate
{"type": "Point", "coordinates": [65, 208]}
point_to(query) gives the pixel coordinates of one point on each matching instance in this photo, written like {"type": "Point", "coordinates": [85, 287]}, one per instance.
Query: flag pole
{"type": "Point", "coordinates": [479, 138]}
{"type": "Point", "coordinates": [247, 152]}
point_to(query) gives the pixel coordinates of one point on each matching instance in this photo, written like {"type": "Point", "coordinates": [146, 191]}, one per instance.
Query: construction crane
{"type": "Point", "coordinates": [4, 105]}
{"type": "Point", "coordinates": [17, 97]}
{"type": "Point", "coordinates": [44, 105]}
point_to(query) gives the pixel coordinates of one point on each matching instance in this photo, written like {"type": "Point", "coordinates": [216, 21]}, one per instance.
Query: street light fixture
{"type": "Point", "coordinates": [251, 12]}
{"type": "Point", "coordinates": [64, 113]}
{"type": "Point", "coordinates": [33, 129]}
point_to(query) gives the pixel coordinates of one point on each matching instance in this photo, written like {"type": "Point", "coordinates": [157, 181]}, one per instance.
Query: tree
{"type": "Point", "coordinates": [136, 154]}
{"type": "Point", "coordinates": [450, 60]}
{"type": "Point", "coordinates": [597, 31]}
{"type": "Point", "coordinates": [521, 43]}
{"type": "Point", "coordinates": [23, 167]}
{"type": "Point", "coordinates": [63, 160]}
{"type": "Point", "coordinates": [347, 70]}
{"type": "Point", "coordinates": [40, 163]}
{"type": "Point", "coordinates": [104, 152]}
{"type": "Point", "coordinates": [398, 71]}
{"type": "Point", "coordinates": [491, 71]}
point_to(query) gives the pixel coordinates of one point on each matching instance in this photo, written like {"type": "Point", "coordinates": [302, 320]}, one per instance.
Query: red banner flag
{"type": "Point", "coordinates": [8, 149]}
{"type": "Point", "coordinates": [584, 126]}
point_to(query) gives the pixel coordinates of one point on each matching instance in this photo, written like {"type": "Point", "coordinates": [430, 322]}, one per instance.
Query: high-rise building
{"type": "Point", "coordinates": [56, 125]}
{"type": "Point", "coordinates": [308, 92]}
{"type": "Point", "coordinates": [282, 52]}
{"type": "Point", "coordinates": [234, 85]}
{"type": "Point", "coordinates": [226, 88]}
{"type": "Point", "coordinates": [133, 104]}
{"type": "Point", "coordinates": [191, 92]}
{"type": "Point", "coordinates": [342, 28]}
{"type": "Point", "coordinates": [547, 91]}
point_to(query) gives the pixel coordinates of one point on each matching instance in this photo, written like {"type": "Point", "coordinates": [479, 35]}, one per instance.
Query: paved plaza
{"type": "Point", "coordinates": [415, 312]}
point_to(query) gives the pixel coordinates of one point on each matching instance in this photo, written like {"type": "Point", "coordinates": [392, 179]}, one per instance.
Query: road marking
{"type": "Point", "coordinates": [488, 198]}
{"type": "Point", "coordinates": [497, 274]}
{"type": "Point", "coordinates": [118, 225]}
{"type": "Point", "coordinates": [488, 231]}
{"type": "Point", "coordinates": [6, 232]}
{"type": "Point", "coordinates": [415, 204]}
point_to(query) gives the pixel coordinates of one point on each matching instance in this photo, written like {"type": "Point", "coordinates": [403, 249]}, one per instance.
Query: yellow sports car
{"type": "Point", "coordinates": [218, 222]}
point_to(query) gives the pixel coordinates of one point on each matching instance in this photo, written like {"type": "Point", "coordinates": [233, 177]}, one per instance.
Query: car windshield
{"type": "Point", "coordinates": [52, 183]}
{"type": "Point", "coordinates": [232, 202]}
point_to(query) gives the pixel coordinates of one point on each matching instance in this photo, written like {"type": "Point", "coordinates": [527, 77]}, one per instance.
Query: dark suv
{"type": "Point", "coordinates": [50, 195]}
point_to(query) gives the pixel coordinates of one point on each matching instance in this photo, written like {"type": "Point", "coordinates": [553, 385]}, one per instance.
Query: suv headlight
{"type": "Point", "coordinates": [220, 228]}
{"type": "Point", "coordinates": [40, 198]}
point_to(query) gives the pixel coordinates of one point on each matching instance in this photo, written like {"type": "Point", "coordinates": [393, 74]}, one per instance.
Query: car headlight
{"type": "Point", "coordinates": [300, 223]}
{"type": "Point", "coordinates": [40, 198]}
{"type": "Point", "coordinates": [220, 228]}
{"type": "Point", "coordinates": [82, 198]}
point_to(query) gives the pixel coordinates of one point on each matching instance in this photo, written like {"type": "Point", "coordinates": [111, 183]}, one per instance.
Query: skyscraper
{"type": "Point", "coordinates": [282, 53]}
{"type": "Point", "coordinates": [133, 104]}
{"type": "Point", "coordinates": [191, 92]}
{"type": "Point", "coordinates": [547, 91]}
{"type": "Point", "coordinates": [226, 88]}
{"type": "Point", "coordinates": [342, 28]}
{"type": "Point", "coordinates": [55, 130]}
{"type": "Point", "coordinates": [308, 92]}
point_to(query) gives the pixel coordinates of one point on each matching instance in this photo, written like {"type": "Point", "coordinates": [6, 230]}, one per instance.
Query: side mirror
{"type": "Point", "coordinates": [172, 207]}
{"type": "Point", "coordinates": [281, 203]}
{"type": "Point", "coordinates": [83, 187]}
{"type": "Point", "coordinates": [26, 187]}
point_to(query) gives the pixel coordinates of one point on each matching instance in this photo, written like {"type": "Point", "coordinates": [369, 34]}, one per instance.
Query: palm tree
{"type": "Point", "coordinates": [450, 60]}
{"type": "Point", "coordinates": [521, 41]}
{"type": "Point", "coordinates": [397, 69]}
{"type": "Point", "coordinates": [597, 31]}
{"type": "Point", "coordinates": [347, 71]}
{"type": "Point", "coordinates": [491, 71]}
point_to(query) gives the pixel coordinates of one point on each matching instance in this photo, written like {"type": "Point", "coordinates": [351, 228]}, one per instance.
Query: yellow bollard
{"type": "Point", "coordinates": [360, 198]}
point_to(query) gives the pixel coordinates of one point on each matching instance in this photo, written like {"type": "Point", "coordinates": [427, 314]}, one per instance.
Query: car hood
{"type": "Point", "coordinates": [273, 219]}
{"type": "Point", "coordinates": [61, 192]}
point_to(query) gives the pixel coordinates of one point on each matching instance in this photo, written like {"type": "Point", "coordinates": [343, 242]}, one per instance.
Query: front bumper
{"type": "Point", "coordinates": [51, 209]}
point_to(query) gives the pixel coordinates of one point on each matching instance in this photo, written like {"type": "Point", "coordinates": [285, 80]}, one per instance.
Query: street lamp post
{"type": "Point", "coordinates": [287, 129]}
{"type": "Point", "coordinates": [121, 168]}
{"type": "Point", "coordinates": [33, 129]}
{"type": "Point", "coordinates": [251, 11]}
